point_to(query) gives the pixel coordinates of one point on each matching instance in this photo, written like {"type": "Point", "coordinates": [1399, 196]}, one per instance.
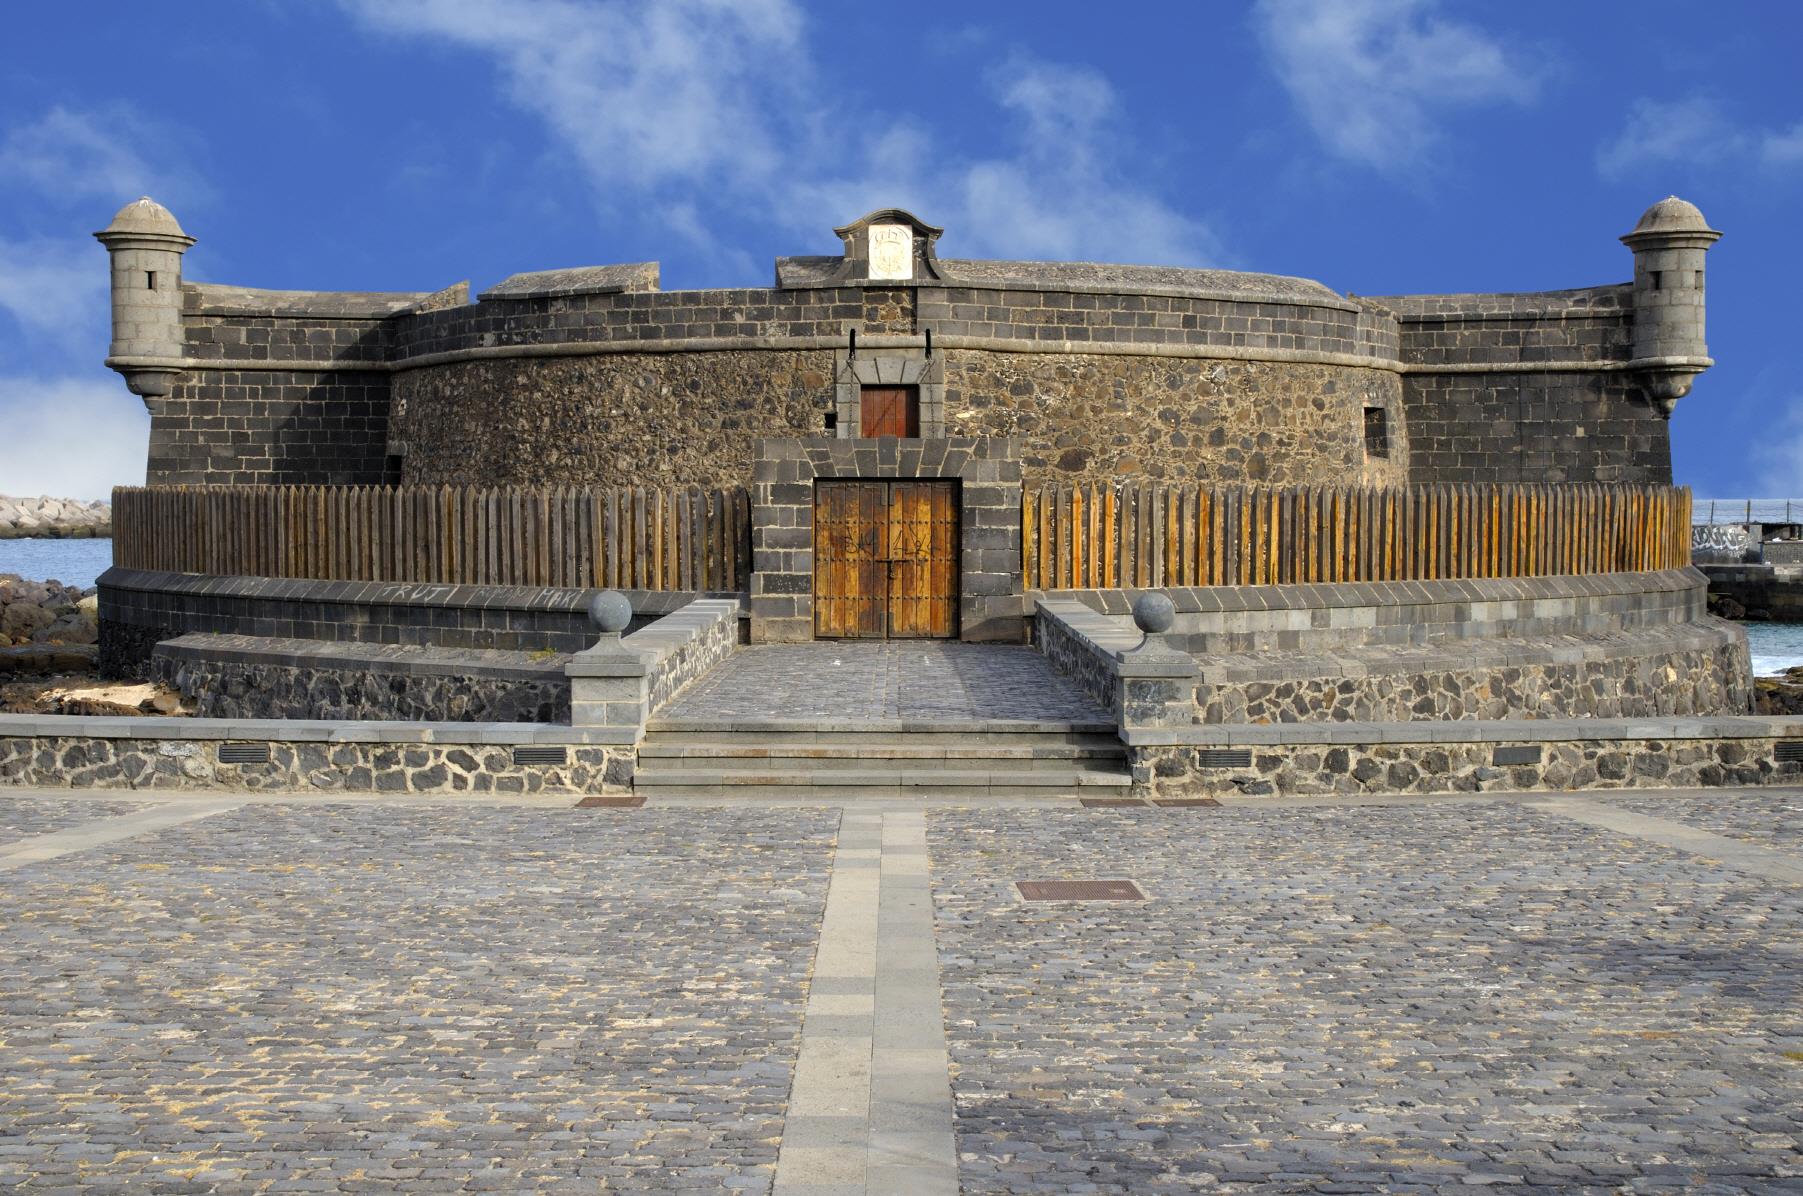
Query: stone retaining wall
{"type": "Point", "coordinates": [426, 758]}
{"type": "Point", "coordinates": [1468, 757]}
{"type": "Point", "coordinates": [243, 677]}
{"type": "Point", "coordinates": [141, 608]}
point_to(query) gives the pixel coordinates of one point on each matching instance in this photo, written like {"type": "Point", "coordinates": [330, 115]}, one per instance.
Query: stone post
{"type": "Point", "coordinates": [609, 682]}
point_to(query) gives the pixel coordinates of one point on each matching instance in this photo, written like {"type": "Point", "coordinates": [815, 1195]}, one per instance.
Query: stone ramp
{"type": "Point", "coordinates": [845, 720]}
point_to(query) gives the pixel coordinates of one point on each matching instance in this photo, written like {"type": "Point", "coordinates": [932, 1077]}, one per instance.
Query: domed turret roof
{"type": "Point", "coordinates": [1673, 215]}
{"type": "Point", "coordinates": [145, 215]}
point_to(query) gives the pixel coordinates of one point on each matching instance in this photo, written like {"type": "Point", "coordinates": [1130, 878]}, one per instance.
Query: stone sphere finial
{"type": "Point", "coordinates": [1154, 613]}
{"type": "Point", "coordinates": [610, 611]}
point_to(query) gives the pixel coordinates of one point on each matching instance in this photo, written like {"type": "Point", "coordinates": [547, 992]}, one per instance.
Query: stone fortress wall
{"type": "Point", "coordinates": [595, 376]}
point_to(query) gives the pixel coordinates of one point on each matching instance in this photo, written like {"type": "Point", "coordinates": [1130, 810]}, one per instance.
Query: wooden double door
{"type": "Point", "coordinates": [885, 560]}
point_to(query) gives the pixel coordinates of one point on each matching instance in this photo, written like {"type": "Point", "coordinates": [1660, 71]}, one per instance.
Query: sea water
{"type": "Point", "coordinates": [72, 562]}
{"type": "Point", "coordinates": [1774, 646]}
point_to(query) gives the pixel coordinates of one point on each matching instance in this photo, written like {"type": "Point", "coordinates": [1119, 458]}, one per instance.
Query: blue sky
{"type": "Point", "coordinates": [1381, 146]}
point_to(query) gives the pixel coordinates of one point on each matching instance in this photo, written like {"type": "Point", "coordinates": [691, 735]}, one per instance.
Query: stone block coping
{"type": "Point", "coordinates": [384, 659]}
{"type": "Point", "coordinates": [1527, 730]}
{"type": "Point", "coordinates": [277, 730]}
{"type": "Point", "coordinates": [645, 603]}
{"type": "Point", "coordinates": [877, 725]}
{"type": "Point", "coordinates": [1316, 596]}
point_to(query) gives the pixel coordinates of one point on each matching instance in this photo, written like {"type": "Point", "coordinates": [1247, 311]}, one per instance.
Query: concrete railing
{"type": "Point", "coordinates": [620, 681]}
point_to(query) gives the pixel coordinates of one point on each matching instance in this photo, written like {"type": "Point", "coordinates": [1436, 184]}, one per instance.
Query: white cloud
{"type": "Point", "coordinates": [69, 156]}
{"type": "Point", "coordinates": [1691, 130]}
{"type": "Point", "coordinates": [71, 437]}
{"type": "Point", "coordinates": [1783, 149]}
{"type": "Point", "coordinates": [57, 288]}
{"type": "Point", "coordinates": [1369, 76]}
{"type": "Point", "coordinates": [685, 107]}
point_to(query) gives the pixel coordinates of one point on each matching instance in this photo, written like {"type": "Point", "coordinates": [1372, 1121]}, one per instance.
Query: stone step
{"type": "Point", "coordinates": [879, 737]}
{"type": "Point", "coordinates": [1036, 780]}
{"type": "Point", "coordinates": [823, 753]}
{"type": "Point", "coordinates": [854, 793]}
{"type": "Point", "coordinates": [840, 765]}
{"type": "Point", "coordinates": [909, 727]}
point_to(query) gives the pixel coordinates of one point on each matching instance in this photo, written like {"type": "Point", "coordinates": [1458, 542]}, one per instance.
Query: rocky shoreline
{"type": "Point", "coordinates": [46, 626]}
{"type": "Point", "coordinates": [53, 518]}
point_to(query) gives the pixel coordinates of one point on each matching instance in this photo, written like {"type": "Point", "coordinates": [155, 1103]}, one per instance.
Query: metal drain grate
{"type": "Point", "coordinates": [1516, 755]}
{"type": "Point", "coordinates": [1109, 803]}
{"type": "Point", "coordinates": [244, 753]}
{"type": "Point", "coordinates": [541, 755]}
{"type": "Point", "coordinates": [1224, 758]}
{"type": "Point", "coordinates": [1185, 803]}
{"type": "Point", "coordinates": [1790, 751]}
{"type": "Point", "coordinates": [1079, 890]}
{"type": "Point", "coordinates": [626, 802]}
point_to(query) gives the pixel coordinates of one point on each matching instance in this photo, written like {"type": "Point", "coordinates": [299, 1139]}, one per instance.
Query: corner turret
{"type": "Point", "coordinates": [1669, 243]}
{"type": "Point", "coordinates": [146, 244]}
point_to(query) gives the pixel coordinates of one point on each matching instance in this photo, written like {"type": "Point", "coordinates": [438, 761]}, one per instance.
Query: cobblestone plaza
{"type": "Point", "coordinates": [1540, 993]}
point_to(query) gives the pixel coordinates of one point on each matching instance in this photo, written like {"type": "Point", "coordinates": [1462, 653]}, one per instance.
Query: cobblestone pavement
{"type": "Point", "coordinates": [387, 998]}
{"type": "Point", "coordinates": [885, 680]}
{"type": "Point", "coordinates": [1365, 999]}
{"type": "Point", "coordinates": [1769, 818]}
{"type": "Point", "coordinates": [21, 816]}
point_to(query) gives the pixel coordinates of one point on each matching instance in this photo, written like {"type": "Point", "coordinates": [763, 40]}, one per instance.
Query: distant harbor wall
{"type": "Point", "coordinates": [53, 518]}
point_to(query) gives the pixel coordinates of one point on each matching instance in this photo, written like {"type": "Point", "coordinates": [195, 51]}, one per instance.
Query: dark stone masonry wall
{"type": "Point", "coordinates": [1472, 425]}
{"type": "Point", "coordinates": [72, 761]}
{"type": "Point", "coordinates": [1092, 418]}
{"type": "Point", "coordinates": [635, 419]}
{"type": "Point", "coordinates": [272, 428]}
{"type": "Point", "coordinates": [693, 418]}
{"type": "Point", "coordinates": [1526, 764]}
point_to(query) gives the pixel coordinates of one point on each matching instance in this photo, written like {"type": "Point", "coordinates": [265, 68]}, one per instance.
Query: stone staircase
{"type": "Point", "coordinates": [697, 757]}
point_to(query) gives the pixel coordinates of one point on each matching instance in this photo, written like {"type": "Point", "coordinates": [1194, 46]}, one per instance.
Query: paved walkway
{"type": "Point", "coordinates": [892, 679]}
{"type": "Point", "coordinates": [1545, 993]}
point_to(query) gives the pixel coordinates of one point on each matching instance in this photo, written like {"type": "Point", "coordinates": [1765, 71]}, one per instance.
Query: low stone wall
{"type": "Point", "coordinates": [1466, 757]}
{"type": "Point", "coordinates": [1618, 645]}
{"type": "Point", "coordinates": [226, 676]}
{"type": "Point", "coordinates": [1700, 669]}
{"type": "Point", "coordinates": [1229, 620]}
{"type": "Point", "coordinates": [425, 758]}
{"type": "Point", "coordinates": [140, 608]}
{"type": "Point", "coordinates": [53, 518]}
{"type": "Point", "coordinates": [618, 683]}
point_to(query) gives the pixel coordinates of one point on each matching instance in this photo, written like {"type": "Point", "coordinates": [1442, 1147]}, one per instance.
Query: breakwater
{"type": "Point", "coordinates": [53, 518]}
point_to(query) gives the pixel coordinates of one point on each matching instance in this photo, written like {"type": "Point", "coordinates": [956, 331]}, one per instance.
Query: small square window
{"type": "Point", "coordinates": [1377, 432]}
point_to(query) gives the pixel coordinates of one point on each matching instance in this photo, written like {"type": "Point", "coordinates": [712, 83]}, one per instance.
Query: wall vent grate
{"type": "Point", "coordinates": [244, 753]}
{"type": "Point", "coordinates": [1224, 758]}
{"type": "Point", "coordinates": [1516, 755]}
{"type": "Point", "coordinates": [1790, 751]}
{"type": "Point", "coordinates": [541, 755]}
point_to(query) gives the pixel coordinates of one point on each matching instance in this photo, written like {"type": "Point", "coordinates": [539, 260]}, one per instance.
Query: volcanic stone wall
{"type": "Point", "coordinates": [1094, 418]}
{"type": "Point", "coordinates": [237, 421]}
{"type": "Point", "coordinates": [1521, 424]}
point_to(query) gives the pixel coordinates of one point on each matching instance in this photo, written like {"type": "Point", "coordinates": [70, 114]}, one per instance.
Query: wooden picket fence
{"type": "Point", "coordinates": [1147, 535]}
{"type": "Point", "coordinates": [627, 537]}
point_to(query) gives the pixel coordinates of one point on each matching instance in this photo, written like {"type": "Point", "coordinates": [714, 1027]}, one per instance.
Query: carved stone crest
{"type": "Point", "coordinates": [891, 251]}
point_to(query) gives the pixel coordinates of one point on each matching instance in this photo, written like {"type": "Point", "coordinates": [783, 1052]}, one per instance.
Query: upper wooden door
{"type": "Point", "coordinates": [885, 560]}
{"type": "Point", "coordinates": [888, 411]}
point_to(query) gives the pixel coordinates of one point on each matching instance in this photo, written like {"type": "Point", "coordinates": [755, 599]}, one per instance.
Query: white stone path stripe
{"type": "Point", "coordinates": [1735, 853]}
{"type": "Point", "coordinates": [871, 1106]}
{"type": "Point", "coordinates": [38, 848]}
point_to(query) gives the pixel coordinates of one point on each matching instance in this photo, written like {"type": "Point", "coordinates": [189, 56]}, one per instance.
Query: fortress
{"type": "Point", "coordinates": [1385, 510]}
{"type": "Point", "coordinates": [593, 376]}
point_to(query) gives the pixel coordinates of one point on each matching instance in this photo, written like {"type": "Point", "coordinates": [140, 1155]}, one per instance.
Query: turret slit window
{"type": "Point", "coordinates": [1658, 280]}
{"type": "Point", "coordinates": [150, 280]}
{"type": "Point", "coordinates": [1377, 432]}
